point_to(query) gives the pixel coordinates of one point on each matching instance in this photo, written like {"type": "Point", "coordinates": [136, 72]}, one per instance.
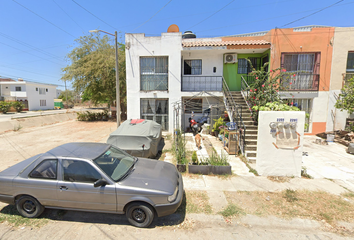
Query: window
{"type": "Point", "coordinates": [46, 89]}
{"type": "Point", "coordinates": [79, 171]}
{"type": "Point", "coordinates": [18, 89]}
{"type": "Point", "coordinates": [154, 73]}
{"type": "Point", "coordinates": [193, 67]}
{"type": "Point", "coordinates": [193, 105]}
{"type": "Point", "coordinates": [42, 91]}
{"type": "Point", "coordinates": [46, 169]}
{"type": "Point", "coordinates": [304, 105]}
{"type": "Point", "coordinates": [155, 109]}
{"type": "Point", "coordinates": [42, 103]}
{"type": "Point", "coordinates": [350, 62]}
{"type": "Point", "coordinates": [244, 67]}
{"type": "Point", "coordinates": [306, 67]}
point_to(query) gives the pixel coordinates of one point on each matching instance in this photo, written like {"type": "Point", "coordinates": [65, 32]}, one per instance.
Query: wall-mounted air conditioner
{"type": "Point", "coordinates": [230, 58]}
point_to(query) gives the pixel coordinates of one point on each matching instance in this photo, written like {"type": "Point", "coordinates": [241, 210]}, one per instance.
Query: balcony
{"type": "Point", "coordinates": [18, 94]}
{"type": "Point", "coordinates": [302, 82]}
{"type": "Point", "coordinates": [201, 83]}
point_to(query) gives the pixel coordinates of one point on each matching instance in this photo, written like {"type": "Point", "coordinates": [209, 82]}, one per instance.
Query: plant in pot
{"type": "Point", "coordinates": [216, 127]}
{"type": "Point", "coordinates": [194, 158]}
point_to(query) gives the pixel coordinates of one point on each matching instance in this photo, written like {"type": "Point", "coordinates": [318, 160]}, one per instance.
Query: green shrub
{"type": "Point", "coordinates": [219, 123]}
{"type": "Point", "coordinates": [92, 116]}
{"type": "Point", "coordinates": [18, 106]}
{"type": "Point", "coordinates": [194, 157]}
{"type": "Point", "coordinates": [216, 160]}
{"type": "Point", "coordinates": [5, 106]}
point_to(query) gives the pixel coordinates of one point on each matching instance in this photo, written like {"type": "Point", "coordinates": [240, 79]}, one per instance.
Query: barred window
{"type": "Point", "coordinates": [42, 91]}
{"type": "Point", "coordinates": [156, 110]}
{"type": "Point", "coordinates": [18, 89]}
{"type": "Point", "coordinates": [193, 67]}
{"type": "Point", "coordinates": [154, 73]}
{"type": "Point", "coordinates": [42, 103]}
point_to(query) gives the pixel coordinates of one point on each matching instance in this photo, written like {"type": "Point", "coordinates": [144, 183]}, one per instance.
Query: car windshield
{"type": "Point", "coordinates": [115, 163]}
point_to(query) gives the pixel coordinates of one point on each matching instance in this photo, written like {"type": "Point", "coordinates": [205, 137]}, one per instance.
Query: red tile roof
{"type": "Point", "coordinates": [222, 43]}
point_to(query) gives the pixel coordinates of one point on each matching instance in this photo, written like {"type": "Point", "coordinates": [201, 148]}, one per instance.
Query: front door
{"type": "Point", "coordinates": [75, 188]}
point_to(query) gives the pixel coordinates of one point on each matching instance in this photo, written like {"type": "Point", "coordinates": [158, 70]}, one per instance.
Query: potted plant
{"type": "Point", "coordinates": [216, 127]}
{"type": "Point", "coordinates": [215, 164]}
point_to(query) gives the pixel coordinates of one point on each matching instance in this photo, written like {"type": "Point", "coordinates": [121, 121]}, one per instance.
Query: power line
{"type": "Point", "coordinates": [93, 14]}
{"type": "Point", "coordinates": [152, 16]}
{"type": "Point", "coordinates": [5, 75]}
{"type": "Point", "coordinates": [43, 18]}
{"type": "Point", "coordinates": [4, 66]}
{"type": "Point", "coordinates": [212, 14]}
{"type": "Point", "coordinates": [313, 13]}
{"type": "Point", "coordinates": [69, 16]}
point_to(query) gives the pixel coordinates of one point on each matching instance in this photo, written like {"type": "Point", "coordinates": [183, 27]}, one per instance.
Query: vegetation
{"type": "Point", "coordinates": [346, 98]}
{"type": "Point", "coordinates": [10, 215]}
{"type": "Point", "coordinates": [92, 69]}
{"type": "Point", "coordinates": [92, 116]}
{"type": "Point", "coordinates": [18, 106]}
{"type": "Point", "coordinates": [5, 106]}
{"type": "Point", "coordinates": [232, 210]}
{"type": "Point", "coordinates": [194, 157]}
{"type": "Point", "coordinates": [219, 123]}
{"type": "Point", "coordinates": [179, 147]}
{"type": "Point", "coordinates": [216, 160]}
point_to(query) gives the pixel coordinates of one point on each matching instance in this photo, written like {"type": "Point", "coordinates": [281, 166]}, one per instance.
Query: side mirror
{"type": "Point", "coordinates": [100, 182]}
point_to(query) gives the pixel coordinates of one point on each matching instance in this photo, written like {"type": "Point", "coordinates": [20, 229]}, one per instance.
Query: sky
{"type": "Point", "coordinates": [36, 35]}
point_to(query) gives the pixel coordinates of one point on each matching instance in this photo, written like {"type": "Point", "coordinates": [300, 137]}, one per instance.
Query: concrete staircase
{"type": "Point", "coordinates": [251, 128]}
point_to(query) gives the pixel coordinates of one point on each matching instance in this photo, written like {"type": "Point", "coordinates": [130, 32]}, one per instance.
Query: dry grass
{"type": "Point", "coordinates": [319, 206]}
{"type": "Point", "coordinates": [279, 179]}
{"type": "Point", "coordinates": [197, 202]}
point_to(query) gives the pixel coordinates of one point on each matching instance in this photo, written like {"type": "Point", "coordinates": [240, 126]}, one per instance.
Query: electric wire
{"type": "Point", "coordinates": [43, 18]}
{"type": "Point", "coordinates": [212, 14]}
{"type": "Point", "coordinates": [93, 14]}
{"type": "Point", "coordinates": [312, 13]}
{"type": "Point", "coordinates": [152, 16]}
{"type": "Point", "coordinates": [69, 16]}
{"type": "Point", "coordinates": [7, 67]}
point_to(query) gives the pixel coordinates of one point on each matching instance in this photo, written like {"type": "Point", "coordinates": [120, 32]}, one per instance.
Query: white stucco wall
{"type": "Point", "coordinates": [34, 97]}
{"type": "Point", "coordinates": [342, 44]}
{"type": "Point", "coordinates": [210, 59]}
{"type": "Point", "coordinates": [137, 45]}
{"type": "Point", "coordinates": [273, 161]}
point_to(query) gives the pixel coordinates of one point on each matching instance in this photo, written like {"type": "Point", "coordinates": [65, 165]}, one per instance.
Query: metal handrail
{"type": "Point", "coordinates": [236, 115]}
{"type": "Point", "coordinates": [244, 91]}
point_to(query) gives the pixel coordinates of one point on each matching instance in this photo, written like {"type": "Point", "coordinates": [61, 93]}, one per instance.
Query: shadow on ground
{"type": "Point", "coordinates": [178, 217]}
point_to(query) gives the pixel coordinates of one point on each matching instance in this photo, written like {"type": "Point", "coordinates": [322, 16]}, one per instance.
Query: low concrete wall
{"type": "Point", "coordinates": [36, 121]}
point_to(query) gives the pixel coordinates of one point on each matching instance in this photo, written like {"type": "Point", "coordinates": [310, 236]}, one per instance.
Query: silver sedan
{"type": "Point", "coordinates": [93, 177]}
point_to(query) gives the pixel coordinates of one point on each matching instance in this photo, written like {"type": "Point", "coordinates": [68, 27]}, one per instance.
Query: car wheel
{"type": "Point", "coordinates": [29, 207]}
{"type": "Point", "coordinates": [140, 214]}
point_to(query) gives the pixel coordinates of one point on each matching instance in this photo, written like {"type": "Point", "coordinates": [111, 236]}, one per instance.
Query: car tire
{"type": "Point", "coordinates": [29, 207]}
{"type": "Point", "coordinates": [140, 214]}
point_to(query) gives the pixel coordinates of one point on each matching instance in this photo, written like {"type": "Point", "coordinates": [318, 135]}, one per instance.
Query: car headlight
{"type": "Point", "coordinates": [173, 197]}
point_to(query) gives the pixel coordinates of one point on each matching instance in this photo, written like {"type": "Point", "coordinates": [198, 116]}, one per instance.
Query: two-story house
{"type": "Point", "coordinates": [35, 96]}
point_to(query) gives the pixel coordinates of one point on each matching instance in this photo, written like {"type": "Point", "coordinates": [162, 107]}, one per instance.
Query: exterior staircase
{"type": "Point", "coordinates": [251, 128]}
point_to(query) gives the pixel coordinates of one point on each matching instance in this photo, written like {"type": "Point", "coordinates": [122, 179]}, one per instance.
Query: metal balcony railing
{"type": "Point", "coordinates": [301, 82]}
{"type": "Point", "coordinates": [201, 83]}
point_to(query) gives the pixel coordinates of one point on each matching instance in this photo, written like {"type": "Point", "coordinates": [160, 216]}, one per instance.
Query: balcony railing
{"type": "Point", "coordinates": [201, 83]}
{"type": "Point", "coordinates": [302, 82]}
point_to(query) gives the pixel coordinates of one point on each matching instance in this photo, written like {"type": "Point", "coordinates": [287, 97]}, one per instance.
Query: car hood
{"type": "Point", "coordinates": [14, 170]}
{"type": "Point", "coordinates": [153, 175]}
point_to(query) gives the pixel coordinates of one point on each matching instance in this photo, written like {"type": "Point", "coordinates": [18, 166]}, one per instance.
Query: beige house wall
{"type": "Point", "coordinates": [342, 42]}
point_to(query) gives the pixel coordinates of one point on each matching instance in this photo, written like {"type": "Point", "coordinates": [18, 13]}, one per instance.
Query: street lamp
{"type": "Point", "coordinates": [117, 74]}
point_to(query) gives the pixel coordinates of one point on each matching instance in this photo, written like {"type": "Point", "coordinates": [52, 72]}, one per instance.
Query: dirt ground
{"type": "Point", "coordinates": [19, 145]}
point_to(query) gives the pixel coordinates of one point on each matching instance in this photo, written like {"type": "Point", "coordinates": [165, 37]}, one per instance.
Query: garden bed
{"type": "Point", "coordinates": [209, 169]}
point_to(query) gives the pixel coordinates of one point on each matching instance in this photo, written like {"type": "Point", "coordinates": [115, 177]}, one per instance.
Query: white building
{"type": "Point", "coordinates": [166, 70]}
{"type": "Point", "coordinates": [35, 96]}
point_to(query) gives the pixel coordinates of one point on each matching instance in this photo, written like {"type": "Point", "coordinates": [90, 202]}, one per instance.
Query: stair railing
{"type": "Point", "coordinates": [236, 115]}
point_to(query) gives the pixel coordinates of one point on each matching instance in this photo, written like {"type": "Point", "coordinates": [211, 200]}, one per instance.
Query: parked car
{"type": "Point", "coordinates": [93, 177]}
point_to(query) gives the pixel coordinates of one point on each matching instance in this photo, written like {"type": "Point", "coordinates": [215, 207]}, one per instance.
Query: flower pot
{"type": "Point", "coordinates": [181, 168]}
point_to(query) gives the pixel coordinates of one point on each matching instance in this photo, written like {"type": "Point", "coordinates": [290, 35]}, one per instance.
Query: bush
{"type": "Point", "coordinates": [92, 116]}
{"type": "Point", "coordinates": [194, 157]}
{"type": "Point", "coordinates": [216, 160]}
{"type": "Point", "coordinates": [180, 147]}
{"type": "Point", "coordinates": [5, 106]}
{"type": "Point", "coordinates": [18, 106]}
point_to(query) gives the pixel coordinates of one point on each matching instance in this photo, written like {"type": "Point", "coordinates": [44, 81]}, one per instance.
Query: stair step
{"type": "Point", "coordinates": [251, 142]}
{"type": "Point", "coordinates": [250, 132]}
{"type": "Point", "coordinates": [249, 137]}
{"type": "Point", "coordinates": [251, 154]}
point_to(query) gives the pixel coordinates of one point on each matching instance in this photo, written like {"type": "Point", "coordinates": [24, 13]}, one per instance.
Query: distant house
{"type": "Point", "coordinates": [35, 96]}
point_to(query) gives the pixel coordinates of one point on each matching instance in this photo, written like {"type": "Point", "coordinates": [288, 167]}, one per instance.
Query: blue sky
{"type": "Point", "coordinates": [36, 35]}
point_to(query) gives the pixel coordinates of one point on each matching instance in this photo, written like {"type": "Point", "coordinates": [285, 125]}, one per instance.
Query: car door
{"type": "Point", "coordinates": [76, 187]}
{"type": "Point", "coordinates": [41, 182]}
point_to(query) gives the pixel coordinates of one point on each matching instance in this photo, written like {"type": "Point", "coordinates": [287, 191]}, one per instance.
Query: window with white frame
{"type": "Point", "coordinates": [156, 110]}
{"type": "Point", "coordinates": [18, 89]}
{"type": "Point", "coordinates": [153, 73]}
{"type": "Point", "coordinates": [42, 103]}
{"type": "Point", "coordinates": [350, 62]}
{"type": "Point", "coordinates": [193, 67]}
{"type": "Point", "coordinates": [42, 91]}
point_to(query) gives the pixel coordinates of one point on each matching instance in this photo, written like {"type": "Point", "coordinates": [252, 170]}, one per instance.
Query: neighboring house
{"type": "Point", "coordinates": [35, 96]}
{"type": "Point", "coordinates": [164, 70]}
{"type": "Point", "coordinates": [58, 92]}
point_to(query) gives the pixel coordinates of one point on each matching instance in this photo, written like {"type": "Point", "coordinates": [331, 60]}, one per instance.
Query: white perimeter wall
{"type": "Point", "coordinates": [169, 44]}
{"type": "Point", "coordinates": [272, 161]}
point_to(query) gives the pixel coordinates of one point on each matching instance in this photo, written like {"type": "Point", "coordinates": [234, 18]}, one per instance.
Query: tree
{"type": "Point", "coordinates": [92, 69]}
{"type": "Point", "coordinates": [346, 98]}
